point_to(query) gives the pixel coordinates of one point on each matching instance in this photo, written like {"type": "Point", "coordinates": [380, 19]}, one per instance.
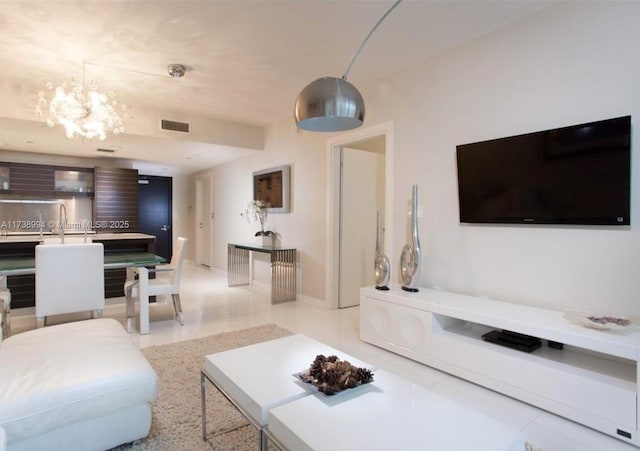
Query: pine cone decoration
{"type": "Point", "coordinates": [352, 382]}
{"type": "Point", "coordinates": [329, 389]}
{"type": "Point", "coordinates": [317, 366]}
{"type": "Point", "coordinates": [330, 375]}
{"type": "Point", "coordinates": [364, 375]}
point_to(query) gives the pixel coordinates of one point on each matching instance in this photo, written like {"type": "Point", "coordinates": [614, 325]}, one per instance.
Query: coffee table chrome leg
{"type": "Point", "coordinates": [204, 407]}
{"type": "Point", "coordinates": [252, 422]}
{"type": "Point", "coordinates": [268, 438]}
{"type": "Point", "coordinates": [264, 443]}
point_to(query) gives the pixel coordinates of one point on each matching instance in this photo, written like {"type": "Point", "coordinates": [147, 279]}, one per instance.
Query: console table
{"type": "Point", "coordinates": [283, 269]}
{"type": "Point", "coordinates": [594, 380]}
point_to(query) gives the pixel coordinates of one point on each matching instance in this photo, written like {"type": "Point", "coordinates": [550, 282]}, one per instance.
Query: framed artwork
{"type": "Point", "coordinates": [272, 186]}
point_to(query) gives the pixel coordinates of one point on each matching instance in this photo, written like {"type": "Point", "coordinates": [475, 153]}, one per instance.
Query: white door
{"type": "Point", "coordinates": [203, 220]}
{"type": "Point", "coordinates": [361, 195]}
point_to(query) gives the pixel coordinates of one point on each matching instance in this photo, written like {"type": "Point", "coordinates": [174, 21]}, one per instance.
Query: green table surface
{"type": "Point", "coordinates": [11, 265]}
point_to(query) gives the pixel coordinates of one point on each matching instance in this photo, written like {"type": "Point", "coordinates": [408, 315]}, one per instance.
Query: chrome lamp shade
{"type": "Point", "coordinates": [329, 104]}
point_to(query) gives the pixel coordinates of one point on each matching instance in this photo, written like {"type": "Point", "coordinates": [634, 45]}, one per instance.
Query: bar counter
{"type": "Point", "coordinates": [22, 246]}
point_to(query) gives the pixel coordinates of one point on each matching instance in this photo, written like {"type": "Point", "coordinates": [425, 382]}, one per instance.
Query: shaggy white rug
{"type": "Point", "coordinates": [177, 419]}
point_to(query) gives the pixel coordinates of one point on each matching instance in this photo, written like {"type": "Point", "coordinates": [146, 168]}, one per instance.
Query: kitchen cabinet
{"type": "Point", "coordinates": [5, 182]}
{"type": "Point", "coordinates": [72, 182]}
{"type": "Point", "coordinates": [31, 179]}
{"type": "Point", "coordinates": [115, 199]}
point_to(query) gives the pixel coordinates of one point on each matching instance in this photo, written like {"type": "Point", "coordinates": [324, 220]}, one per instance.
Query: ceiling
{"type": "Point", "coordinates": [246, 60]}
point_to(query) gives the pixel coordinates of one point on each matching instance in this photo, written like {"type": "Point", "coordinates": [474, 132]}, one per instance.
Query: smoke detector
{"type": "Point", "coordinates": [176, 70]}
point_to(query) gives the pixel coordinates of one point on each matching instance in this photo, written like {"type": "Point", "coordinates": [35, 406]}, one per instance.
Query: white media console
{"type": "Point", "coordinates": [593, 380]}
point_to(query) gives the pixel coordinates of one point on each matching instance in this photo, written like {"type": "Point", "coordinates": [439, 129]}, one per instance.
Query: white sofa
{"type": "Point", "coordinates": [74, 386]}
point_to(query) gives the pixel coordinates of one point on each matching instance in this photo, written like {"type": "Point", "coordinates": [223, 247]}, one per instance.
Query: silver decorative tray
{"type": "Point", "coordinates": [311, 387]}
{"type": "Point", "coordinates": [599, 322]}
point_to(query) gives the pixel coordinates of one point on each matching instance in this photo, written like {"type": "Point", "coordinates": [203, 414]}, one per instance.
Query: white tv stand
{"type": "Point", "coordinates": [593, 380]}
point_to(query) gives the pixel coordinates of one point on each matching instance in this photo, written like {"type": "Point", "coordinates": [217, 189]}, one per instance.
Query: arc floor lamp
{"type": "Point", "coordinates": [332, 104]}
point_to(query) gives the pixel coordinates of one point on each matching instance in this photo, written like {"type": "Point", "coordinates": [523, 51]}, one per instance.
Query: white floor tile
{"type": "Point", "coordinates": [211, 307]}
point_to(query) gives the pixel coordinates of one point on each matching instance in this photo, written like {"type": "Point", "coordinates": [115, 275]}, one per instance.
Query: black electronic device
{"type": "Point", "coordinates": [571, 175]}
{"type": "Point", "coordinates": [555, 344]}
{"type": "Point", "coordinates": [514, 340]}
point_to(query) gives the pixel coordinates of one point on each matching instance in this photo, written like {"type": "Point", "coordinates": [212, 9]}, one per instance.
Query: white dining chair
{"type": "Point", "coordinates": [5, 312]}
{"type": "Point", "coordinates": [69, 279]}
{"type": "Point", "coordinates": [167, 282]}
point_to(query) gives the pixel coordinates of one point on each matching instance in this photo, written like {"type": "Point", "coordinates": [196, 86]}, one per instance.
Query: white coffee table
{"type": "Point", "coordinates": [259, 377]}
{"type": "Point", "coordinates": [389, 413]}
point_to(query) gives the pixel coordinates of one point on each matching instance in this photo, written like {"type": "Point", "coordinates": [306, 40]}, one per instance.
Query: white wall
{"type": "Point", "coordinates": [180, 209]}
{"type": "Point", "coordinates": [569, 64]}
{"type": "Point", "coordinates": [303, 228]}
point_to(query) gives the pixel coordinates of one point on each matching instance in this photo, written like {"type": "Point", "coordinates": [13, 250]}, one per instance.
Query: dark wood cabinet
{"type": "Point", "coordinates": [32, 179]}
{"type": "Point", "coordinates": [116, 199]}
{"type": "Point", "coordinates": [23, 292]}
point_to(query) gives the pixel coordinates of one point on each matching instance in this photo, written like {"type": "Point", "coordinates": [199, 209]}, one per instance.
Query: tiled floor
{"type": "Point", "coordinates": [211, 307]}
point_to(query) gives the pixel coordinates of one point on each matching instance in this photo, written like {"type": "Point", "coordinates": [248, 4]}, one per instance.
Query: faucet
{"type": "Point", "coordinates": [63, 209]}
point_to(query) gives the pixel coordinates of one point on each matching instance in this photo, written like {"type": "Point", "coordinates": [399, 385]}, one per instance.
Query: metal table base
{"type": "Point", "coordinates": [283, 269]}
{"type": "Point", "coordinates": [263, 436]}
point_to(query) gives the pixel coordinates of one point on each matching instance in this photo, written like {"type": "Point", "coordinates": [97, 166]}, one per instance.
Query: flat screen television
{"type": "Point", "coordinates": [572, 175]}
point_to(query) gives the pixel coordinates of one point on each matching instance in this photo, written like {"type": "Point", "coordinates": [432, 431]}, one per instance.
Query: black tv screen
{"type": "Point", "coordinates": [571, 175]}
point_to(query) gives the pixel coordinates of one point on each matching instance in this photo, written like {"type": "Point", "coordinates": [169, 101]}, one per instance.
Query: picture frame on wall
{"type": "Point", "coordinates": [272, 186]}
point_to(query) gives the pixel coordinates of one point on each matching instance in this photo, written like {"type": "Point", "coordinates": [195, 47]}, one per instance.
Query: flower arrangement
{"type": "Point", "coordinates": [258, 211]}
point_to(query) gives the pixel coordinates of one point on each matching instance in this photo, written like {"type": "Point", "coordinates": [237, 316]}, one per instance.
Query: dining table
{"type": "Point", "coordinates": [136, 263]}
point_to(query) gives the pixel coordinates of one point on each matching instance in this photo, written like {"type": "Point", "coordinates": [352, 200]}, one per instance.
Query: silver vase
{"type": "Point", "coordinates": [381, 263]}
{"type": "Point", "coordinates": [411, 253]}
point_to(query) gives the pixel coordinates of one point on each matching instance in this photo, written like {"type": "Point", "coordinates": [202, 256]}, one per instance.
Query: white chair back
{"type": "Point", "coordinates": [69, 278]}
{"type": "Point", "coordinates": [177, 260]}
{"type": "Point", "coordinates": [167, 282]}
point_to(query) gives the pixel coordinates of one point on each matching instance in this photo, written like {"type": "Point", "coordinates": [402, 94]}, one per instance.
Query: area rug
{"type": "Point", "coordinates": [177, 414]}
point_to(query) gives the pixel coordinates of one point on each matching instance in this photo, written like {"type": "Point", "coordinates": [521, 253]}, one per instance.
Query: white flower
{"type": "Point", "coordinates": [256, 210]}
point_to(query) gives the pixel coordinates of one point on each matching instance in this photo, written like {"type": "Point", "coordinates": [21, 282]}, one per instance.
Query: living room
{"type": "Point", "coordinates": [566, 64]}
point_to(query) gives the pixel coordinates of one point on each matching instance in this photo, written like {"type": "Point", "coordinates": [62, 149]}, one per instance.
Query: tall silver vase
{"type": "Point", "coordinates": [381, 263]}
{"type": "Point", "coordinates": [411, 253]}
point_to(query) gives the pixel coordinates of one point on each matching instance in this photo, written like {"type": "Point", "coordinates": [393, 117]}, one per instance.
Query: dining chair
{"type": "Point", "coordinates": [69, 278]}
{"type": "Point", "coordinates": [167, 282]}
{"type": "Point", "coordinates": [5, 312]}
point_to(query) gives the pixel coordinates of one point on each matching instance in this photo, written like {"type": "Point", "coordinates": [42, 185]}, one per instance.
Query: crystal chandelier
{"type": "Point", "coordinates": [82, 112]}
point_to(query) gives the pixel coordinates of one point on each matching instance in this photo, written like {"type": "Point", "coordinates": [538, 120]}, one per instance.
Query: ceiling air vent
{"type": "Point", "coordinates": [174, 126]}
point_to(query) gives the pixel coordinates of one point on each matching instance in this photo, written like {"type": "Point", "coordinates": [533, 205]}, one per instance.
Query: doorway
{"type": "Point", "coordinates": [361, 196]}
{"type": "Point", "coordinates": [204, 252]}
{"type": "Point", "coordinates": [155, 211]}
{"type": "Point", "coordinates": [342, 268]}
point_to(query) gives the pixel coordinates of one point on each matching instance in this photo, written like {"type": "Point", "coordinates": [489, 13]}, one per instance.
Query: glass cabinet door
{"type": "Point", "coordinates": [73, 181]}
{"type": "Point", "coordinates": [5, 184]}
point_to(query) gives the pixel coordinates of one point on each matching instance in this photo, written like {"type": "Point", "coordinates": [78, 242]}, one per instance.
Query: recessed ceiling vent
{"type": "Point", "coordinates": [106, 150]}
{"type": "Point", "coordinates": [174, 126]}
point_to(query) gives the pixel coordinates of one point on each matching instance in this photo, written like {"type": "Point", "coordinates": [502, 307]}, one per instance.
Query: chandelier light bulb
{"type": "Point", "coordinates": [87, 113]}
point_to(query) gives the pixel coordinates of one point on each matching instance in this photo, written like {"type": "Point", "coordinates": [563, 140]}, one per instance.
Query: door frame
{"type": "Point", "coordinates": [332, 272]}
{"type": "Point", "coordinates": [206, 216]}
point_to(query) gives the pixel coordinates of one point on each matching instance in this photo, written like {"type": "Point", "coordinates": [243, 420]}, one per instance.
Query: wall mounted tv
{"type": "Point", "coordinates": [571, 175]}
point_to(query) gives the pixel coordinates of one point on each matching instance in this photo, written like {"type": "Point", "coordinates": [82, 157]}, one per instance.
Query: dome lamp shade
{"type": "Point", "coordinates": [329, 104]}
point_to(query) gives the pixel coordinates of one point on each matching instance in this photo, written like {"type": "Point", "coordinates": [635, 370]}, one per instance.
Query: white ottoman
{"type": "Point", "coordinates": [75, 386]}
